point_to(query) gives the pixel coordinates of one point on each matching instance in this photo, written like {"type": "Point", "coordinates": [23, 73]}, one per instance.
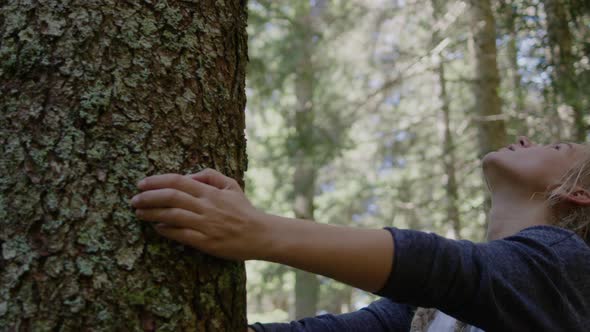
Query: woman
{"type": "Point", "coordinates": [532, 274]}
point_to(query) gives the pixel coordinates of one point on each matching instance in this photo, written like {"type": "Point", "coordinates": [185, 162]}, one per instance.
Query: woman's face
{"type": "Point", "coordinates": [529, 166]}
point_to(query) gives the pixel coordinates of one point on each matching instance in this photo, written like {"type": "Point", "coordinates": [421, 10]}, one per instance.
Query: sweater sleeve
{"type": "Point", "coordinates": [380, 316]}
{"type": "Point", "coordinates": [507, 284]}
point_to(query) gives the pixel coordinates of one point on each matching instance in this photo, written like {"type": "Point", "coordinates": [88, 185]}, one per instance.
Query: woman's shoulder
{"type": "Point", "coordinates": [553, 236]}
{"type": "Point", "coordinates": [554, 244]}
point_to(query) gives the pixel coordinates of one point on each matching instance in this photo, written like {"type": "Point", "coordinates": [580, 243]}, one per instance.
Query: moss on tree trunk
{"type": "Point", "coordinates": [94, 96]}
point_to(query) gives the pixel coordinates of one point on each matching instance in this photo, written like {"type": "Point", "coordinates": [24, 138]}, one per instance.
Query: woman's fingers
{"type": "Point", "coordinates": [185, 236]}
{"type": "Point", "coordinates": [215, 178]}
{"type": "Point", "coordinates": [175, 181]}
{"type": "Point", "coordinates": [214, 216]}
{"type": "Point", "coordinates": [172, 217]}
{"type": "Point", "coordinates": [165, 198]}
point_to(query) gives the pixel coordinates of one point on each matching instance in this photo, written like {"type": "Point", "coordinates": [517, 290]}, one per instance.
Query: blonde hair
{"type": "Point", "coordinates": [573, 217]}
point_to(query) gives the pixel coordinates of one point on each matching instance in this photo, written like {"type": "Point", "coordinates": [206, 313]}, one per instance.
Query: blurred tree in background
{"type": "Point", "coordinates": [376, 113]}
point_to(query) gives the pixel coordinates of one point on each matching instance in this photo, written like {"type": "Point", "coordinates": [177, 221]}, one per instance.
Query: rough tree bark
{"type": "Point", "coordinates": [95, 95]}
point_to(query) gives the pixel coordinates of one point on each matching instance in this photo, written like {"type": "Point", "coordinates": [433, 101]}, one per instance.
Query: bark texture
{"type": "Point", "coordinates": [95, 95]}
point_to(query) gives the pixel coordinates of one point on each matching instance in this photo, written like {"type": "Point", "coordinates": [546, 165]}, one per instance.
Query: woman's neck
{"type": "Point", "coordinates": [512, 212]}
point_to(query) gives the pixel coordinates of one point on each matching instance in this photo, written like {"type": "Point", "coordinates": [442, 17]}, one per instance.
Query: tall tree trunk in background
{"type": "Point", "coordinates": [95, 95]}
{"type": "Point", "coordinates": [562, 59]}
{"type": "Point", "coordinates": [509, 14]}
{"type": "Point", "coordinates": [515, 78]}
{"type": "Point", "coordinates": [340, 301]}
{"type": "Point", "coordinates": [449, 159]}
{"type": "Point", "coordinates": [448, 148]}
{"type": "Point", "coordinates": [488, 107]}
{"type": "Point", "coordinates": [307, 286]}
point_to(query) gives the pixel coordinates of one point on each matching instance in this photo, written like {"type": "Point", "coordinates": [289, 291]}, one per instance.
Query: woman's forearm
{"type": "Point", "coordinates": [358, 257]}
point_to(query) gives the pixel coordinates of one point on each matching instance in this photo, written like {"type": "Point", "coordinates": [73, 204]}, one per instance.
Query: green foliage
{"type": "Point", "coordinates": [377, 135]}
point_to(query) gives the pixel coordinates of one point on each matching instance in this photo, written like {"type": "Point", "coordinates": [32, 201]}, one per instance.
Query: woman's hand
{"type": "Point", "coordinates": [210, 212]}
{"type": "Point", "coordinates": [206, 210]}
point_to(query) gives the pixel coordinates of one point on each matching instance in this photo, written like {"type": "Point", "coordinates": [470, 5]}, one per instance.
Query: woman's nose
{"type": "Point", "coordinates": [524, 142]}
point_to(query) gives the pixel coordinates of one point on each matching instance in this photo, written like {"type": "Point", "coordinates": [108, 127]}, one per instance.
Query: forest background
{"type": "Point", "coordinates": [376, 113]}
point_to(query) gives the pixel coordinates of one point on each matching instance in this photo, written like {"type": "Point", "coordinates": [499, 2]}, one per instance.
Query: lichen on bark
{"type": "Point", "coordinates": [94, 96]}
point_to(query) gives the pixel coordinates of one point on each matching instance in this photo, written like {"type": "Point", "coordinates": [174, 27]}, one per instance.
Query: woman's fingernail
{"type": "Point", "coordinates": [135, 199]}
{"type": "Point", "coordinates": [141, 183]}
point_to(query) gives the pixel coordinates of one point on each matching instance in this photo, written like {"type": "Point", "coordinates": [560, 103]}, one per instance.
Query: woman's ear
{"type": "Point", "coordinates": [578, 196]}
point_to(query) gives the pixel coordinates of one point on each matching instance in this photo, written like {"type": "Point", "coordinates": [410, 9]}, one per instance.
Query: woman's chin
{"type": "Point", "coordinates": [496, 162]}
{"type": "Point", "coordinates": [491, 157]}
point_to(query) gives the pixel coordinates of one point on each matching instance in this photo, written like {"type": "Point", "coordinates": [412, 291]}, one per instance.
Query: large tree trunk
{"type": "Point", "coordinates": [95, 95]}
{"type": "Point", "coordinates": [562, 59]}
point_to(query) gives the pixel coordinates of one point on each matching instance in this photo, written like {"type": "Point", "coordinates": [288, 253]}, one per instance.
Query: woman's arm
{"type": "Point", "coordinates": [355, 256]}
{"type": "Point", "coordinates": [380, 316]}
{"type": "Point", "coordinates": [515, 283]}
{"type": "Point", "coordinates": [210, 212]}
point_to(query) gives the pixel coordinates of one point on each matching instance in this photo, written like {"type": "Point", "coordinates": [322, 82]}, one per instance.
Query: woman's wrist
{"type": "Point", "coordinates": [281, 236]}
{"type": "Point", "coordinates": [271, 238]}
